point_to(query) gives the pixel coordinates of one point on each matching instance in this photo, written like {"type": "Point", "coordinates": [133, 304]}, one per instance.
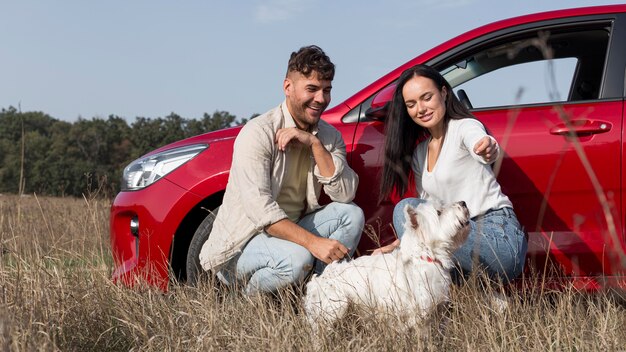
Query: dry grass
{"type": "Point", "coordinates": [56, 295]}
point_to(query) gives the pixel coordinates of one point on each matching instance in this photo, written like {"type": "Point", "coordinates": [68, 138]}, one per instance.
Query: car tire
{"type": "Point", "coordinates": [195, 273]}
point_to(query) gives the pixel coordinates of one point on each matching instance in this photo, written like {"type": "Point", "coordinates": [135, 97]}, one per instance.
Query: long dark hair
{"type": "Point", "coordinates": [402, 133]}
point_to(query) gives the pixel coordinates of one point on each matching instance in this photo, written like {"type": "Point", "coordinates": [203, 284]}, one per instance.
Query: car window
{"type": "Point", "coordinates": [540, 67]}
{"type": "Point", "coordinates": [358, 113]}
{"type": "Point", "coordinates": [535, 66]}
{"type": "Point", "coordinates": [534, 82]}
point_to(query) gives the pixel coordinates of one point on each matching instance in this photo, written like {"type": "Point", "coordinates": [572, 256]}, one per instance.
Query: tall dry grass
{"type": "Point", "coordinates": [56, 295]}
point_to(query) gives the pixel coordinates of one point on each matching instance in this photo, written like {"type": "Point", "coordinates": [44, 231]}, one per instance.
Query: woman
{"type": "Point", "coordinates": [450, 163]}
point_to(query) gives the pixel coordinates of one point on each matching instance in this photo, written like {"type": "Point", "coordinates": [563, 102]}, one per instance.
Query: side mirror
{"type": "Point", "coordinates": [377, 113]}
{"type": "Point", "coordinates": [380, 104]}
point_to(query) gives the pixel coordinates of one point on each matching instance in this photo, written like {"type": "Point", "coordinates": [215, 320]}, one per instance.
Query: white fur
{"type": "Point", "coordinates": [404, 282]}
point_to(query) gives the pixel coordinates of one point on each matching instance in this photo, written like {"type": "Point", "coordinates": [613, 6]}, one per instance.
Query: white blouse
{"type": "Point", "coordinates": [459, 174]}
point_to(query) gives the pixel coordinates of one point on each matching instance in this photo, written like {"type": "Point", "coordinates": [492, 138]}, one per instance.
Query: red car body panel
{"type": "Point", "coordinates": [567, 192]}
{"type": "Point", "coordinates": [161, 208]}
{"type": "Point", "coordinates": [145, 259]}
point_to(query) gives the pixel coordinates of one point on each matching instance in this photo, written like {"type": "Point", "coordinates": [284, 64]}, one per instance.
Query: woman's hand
{"type": "Point", "coordinates": [387, 249]}
{"type": "Point", "coordinates": [487, 148]}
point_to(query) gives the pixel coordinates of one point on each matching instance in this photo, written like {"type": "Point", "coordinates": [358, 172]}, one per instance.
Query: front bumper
{"type": "Point", "coordinates": [159, 209]}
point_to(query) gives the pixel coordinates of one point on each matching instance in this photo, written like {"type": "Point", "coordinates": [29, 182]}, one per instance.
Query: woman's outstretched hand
{"type": "Point", "coordinates": [487, 148]}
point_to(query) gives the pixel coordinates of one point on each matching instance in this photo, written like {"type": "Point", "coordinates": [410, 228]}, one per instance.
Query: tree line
{"type": "Point", "coordinates": [43, 155]}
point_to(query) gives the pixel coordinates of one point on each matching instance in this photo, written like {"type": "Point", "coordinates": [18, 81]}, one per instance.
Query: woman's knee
{"type": "Point", "coordinates": [399, 208]}
{"type": "Point", "coordinates": [403, 203]}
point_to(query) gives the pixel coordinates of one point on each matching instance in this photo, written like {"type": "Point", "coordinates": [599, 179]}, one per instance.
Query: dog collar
{"type": "Point", "coordinates": [430, 259]}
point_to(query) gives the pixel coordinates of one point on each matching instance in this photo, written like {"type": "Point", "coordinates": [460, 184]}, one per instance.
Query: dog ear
{"type": "Point", "coordinates": [411, 215]}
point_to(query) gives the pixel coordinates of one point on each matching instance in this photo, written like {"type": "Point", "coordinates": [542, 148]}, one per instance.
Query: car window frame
{"type": "Point", "coordinates": [611, 86]}
{"type": "Point", "coordinates": [561, 32]}
{"type": "Point", "coordinates": [613, 82]}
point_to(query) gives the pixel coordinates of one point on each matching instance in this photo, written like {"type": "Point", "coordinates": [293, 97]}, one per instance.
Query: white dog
{"type": "Point", "coordinates": [409, 282]}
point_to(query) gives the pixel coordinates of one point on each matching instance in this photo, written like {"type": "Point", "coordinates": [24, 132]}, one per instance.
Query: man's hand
{"type": "Point", "coordinates": [487, 148]}
{"type": "Point", "coordinates": [292, 135]}
{"type": "Point", "coordinates": [285, 136]}
{"type": "Point", "coordinates": [327, 250]}
{"type": "Point", "coordinates": [324, 249]}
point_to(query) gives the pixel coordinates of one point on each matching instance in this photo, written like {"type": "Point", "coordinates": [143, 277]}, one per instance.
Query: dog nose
{"type": "Point", "coordinates": [463, 203]}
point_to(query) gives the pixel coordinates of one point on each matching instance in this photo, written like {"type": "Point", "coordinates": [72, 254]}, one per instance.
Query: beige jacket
{"type": "Point", "coordinates": [256, 176]}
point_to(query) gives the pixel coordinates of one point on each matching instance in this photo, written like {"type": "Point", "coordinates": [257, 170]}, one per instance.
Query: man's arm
{"type": "Point", "coordinates": [341, 186]}
{"type": "Point", "coordinates": [250, 173]}
{"type": "Point", "coordinates": [323, 159]}
{"type": "Point", "coordinates": [331, 168]}
{"type": "Point", "coordinates": [324, 249]}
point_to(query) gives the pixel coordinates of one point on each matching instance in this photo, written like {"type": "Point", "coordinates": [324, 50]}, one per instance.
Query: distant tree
{"type": "Point", "coordinates": [18, 167]}
{"type": "Point", "coordinates": [217, 121]}
{"type": "Point", "coordinates": [244, 120]}
{"type": "Point", "coordinates": [52, 157]}
{"type": "Point", "coordinates": [99, 150]}
{"type": "Point", "coordinates": [148, 134]}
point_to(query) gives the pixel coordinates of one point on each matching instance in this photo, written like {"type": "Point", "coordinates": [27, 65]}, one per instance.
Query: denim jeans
{"type": "Point", "coordinates": [268, 263]}
{"type": "Point", "coordinates": [496, 242]}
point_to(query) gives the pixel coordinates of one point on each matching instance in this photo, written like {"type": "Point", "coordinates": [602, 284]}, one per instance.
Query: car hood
{"type": "Point", "coordinates": [205, 138]}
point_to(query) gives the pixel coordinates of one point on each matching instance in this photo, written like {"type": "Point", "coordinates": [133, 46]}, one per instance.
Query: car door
{"type": "Point", "coordinates": [552, 94]}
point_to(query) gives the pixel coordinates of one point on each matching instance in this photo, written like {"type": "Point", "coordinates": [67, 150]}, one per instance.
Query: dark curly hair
{"type": "Point", "coordinates": [311, 58]}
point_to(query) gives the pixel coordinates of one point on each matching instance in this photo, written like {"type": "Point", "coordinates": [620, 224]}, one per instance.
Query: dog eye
{"type": "Point", "coordinates": [438, 212]}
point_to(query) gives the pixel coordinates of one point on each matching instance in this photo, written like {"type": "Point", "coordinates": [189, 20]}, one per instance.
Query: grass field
{"type": "Point", "coordinates": [56, 295]}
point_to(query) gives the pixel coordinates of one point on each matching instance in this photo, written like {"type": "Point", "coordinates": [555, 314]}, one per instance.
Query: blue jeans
{"type": "Point", "coordinates": [268, 263]}
{"type": "Point", "coordinates": [496, 242]}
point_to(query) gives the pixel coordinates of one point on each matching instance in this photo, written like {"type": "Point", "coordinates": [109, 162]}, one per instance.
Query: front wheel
{"type": "Point", "coordinates": [194, 269]}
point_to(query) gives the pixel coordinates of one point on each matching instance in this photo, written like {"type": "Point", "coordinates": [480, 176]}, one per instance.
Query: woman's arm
{"type": "Point", "coordinates": [487, 148]}
{"type": "Point", "coordinates": [483, 147]}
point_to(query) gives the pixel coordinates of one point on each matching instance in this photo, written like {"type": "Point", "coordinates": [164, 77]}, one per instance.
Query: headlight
{"type": "Point", "coordinates": [143, 172]}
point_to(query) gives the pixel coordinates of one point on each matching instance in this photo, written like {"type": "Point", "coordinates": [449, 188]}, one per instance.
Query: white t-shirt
{"type": "Point", "coordinates": [459, 174]}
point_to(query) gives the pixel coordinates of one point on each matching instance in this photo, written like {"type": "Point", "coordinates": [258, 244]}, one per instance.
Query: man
{"type": "Point", "coordinates": [270, 230]}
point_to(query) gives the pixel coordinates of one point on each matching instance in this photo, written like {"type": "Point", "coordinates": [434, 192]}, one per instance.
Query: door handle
{"type": "Point", "coordinates": [581, 128]}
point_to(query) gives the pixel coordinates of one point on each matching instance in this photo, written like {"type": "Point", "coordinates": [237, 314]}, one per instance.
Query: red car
{"type": "Point", "coordinates": [549, 86]}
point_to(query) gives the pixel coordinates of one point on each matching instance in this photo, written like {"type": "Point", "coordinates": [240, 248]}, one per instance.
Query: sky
{"type": "Point", "coordinates": [149, 58]}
